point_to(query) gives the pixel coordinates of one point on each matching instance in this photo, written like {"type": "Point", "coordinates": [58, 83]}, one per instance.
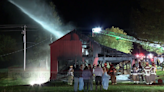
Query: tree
{"type": "Point", "coordinates": [8, 45]}
{"type": "Point", "coordinates": [148, 23]}
{"type": "Point", "coordinates": [115, 43]}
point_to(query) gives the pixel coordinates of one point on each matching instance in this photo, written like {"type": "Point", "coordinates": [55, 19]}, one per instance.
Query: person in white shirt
{"type": "Point", "coordinates": [153, 73]}
{"type": "Point", "coordinates": [147, 73]}
{"type": "Point", "coordinates": [105, 79]}
{"type": "Point", "coordinates": [98, 71]}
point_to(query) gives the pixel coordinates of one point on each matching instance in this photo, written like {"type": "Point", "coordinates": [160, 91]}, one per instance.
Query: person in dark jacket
{"type": "Point", "coordinates": [81, 82]}
{"type": "Point", "coordinates": [91, 79]}
{"type": "Point", "coordinates": [77, 74]}
{"type": "Point", "coordinates": [86, 74]}
{"type": "Point", "coordinates": [140, 72]}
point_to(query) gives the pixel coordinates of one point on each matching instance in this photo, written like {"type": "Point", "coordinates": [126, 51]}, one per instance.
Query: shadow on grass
{"type": "Point", "coordinates": [63, 87]}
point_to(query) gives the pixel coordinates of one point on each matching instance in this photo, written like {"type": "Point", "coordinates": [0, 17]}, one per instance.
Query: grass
{"type": "Point", "coordinates": [19, 85]}
{"type": "Point", "coordinates": [122, 87]}
{"type": "Point", "coordinates": [160, 74]}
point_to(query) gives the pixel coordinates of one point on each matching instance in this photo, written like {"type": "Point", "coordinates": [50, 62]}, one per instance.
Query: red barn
{"type": "Point", "coordinates": [78, 48]}
{"type": "Point", "coordinates": [69, 47]}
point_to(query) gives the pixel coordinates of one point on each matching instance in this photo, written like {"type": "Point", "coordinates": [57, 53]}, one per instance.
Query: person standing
{"type": "Point", "coordinates": [70, 75]}
{"type": "Point", "coordinates": [105, 79]}
{"type": "Point", "coordinates": [81, 82]}
{"type": "Point", "coordinates": [135, 74]}
{"type": "Point", "coordinates": [105, 65]}
{"type": "Point", "coordinates": [147, 73]}
{"type": "Point", "coordinates": [91, 79]}
{"type": "Point", "coordinates": [140, 72]}
{"type": "Point", "coordinates": [86, 74]}
{"type": "Point", "coordinates": [98, 73]}
{"type": "Point", "coordinates": [112, 72]}
{"type": "Point", "coordinates": [77, 74]}
{"type": "Point", "coordinates": [153, 73]}
{"type": "Point", "coordinates": [158, 62]}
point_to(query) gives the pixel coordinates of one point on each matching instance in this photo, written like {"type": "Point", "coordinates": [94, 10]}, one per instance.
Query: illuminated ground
{"type": "Point", "coordinates": [12, 85]}
{"type": "Point", "coordinates": [59, 87]}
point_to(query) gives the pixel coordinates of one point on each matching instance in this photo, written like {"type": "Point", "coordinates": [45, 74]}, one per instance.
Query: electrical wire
{"type": "Point", "coordinates": [29, 26]}
{"type": "Point", "coordinates": [23, 49]}
{"type": "Point", "coordinates": [17, 26]}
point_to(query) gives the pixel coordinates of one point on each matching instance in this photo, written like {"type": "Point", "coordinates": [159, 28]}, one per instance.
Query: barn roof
{"type": "Point", "coordinates": [83, 36]}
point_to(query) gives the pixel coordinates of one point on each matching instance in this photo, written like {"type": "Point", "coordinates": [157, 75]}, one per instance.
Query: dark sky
{"type": "Point", "coordinates": [92, 13]}
{"type": "Point", "coordinates": [85, 14]}
{"type": "Point", "coordinates": [9, 14]}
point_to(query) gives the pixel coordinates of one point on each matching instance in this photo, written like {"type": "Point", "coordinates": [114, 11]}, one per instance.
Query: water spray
{"type": "Point", "coordinates": [42, 13]}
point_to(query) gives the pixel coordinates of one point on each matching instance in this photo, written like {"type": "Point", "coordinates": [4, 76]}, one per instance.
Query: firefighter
{"type": "Point", "coordinates": [147, 73]}
{"type": "Point", "coordinates": [134, 73]}
{"type": "Point", "coordinates": [140, 72]}
{"type": "Point", "coordinates": [112, 72]}
{"type": "Point", "coordinates": [153, 73]}
{"type": "Point", "coordinates": [70, 75]}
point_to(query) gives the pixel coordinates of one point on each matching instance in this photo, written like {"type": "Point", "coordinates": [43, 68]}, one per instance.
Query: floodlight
{"type": "Point", "coordinates": [96, 30]}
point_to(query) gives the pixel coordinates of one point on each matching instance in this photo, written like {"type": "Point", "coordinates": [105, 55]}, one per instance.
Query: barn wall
{"type": "Point", "coordinates": [65, 48]}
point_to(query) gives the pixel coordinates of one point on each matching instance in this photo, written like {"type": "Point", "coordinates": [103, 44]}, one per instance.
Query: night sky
{"type": "Point", "coordinates": [92, 13]}
{"type": "Point", "coordinates": [84, 14]}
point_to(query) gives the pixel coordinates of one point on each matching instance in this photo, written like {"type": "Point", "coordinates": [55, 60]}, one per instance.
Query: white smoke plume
{"type": "Point", "coordinates": [43, 14]}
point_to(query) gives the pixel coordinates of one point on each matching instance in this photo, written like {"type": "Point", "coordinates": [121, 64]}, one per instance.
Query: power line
{"type": "Point", "coordinates": [16, 29]}
{"type": "Point", "coordinates": [19, 25]}
{"type": "Point", "coordinates": [23, 49]}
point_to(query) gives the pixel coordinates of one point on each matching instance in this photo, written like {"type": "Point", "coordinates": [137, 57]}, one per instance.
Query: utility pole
{"type": "Point", "coordinates": [24, 41]}
{"type": "Point", "coordinates": [92, 33]}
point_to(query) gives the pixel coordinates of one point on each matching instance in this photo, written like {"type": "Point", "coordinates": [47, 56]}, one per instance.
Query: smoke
{"type": "Point", "coordinates": [47, 17]}
{"type": "Point", "coordinates": [43, 14]}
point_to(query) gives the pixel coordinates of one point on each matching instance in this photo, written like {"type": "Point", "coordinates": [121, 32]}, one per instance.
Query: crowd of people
{"type": "Point", "coordinates": [145, 73]}
{"type": "Point", "coordinates": [83, 77]}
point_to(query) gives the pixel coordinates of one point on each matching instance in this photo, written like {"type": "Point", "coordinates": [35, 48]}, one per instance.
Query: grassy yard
{"type": "Point", "coordinates": [19, 85]}
{"type": "Point", "coordinates": [122, 87]}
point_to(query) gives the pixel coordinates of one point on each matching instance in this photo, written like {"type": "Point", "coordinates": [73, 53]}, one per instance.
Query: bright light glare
{"type": "Point", "coordinates": [150, 55]}
{"type": "Point", "coordinates": [137, 55]}
{"type": "Point", "coordinates": [38, 81]}
{"type": "Point", "coordinates": [39, 77]}
{"type": "Point", "coordinates": [140, 55]}
{"type": "Point", "coordinates": [122, 77]}
{"type": "Point", "coordinates": [96, 30]}
{"type": "Point", "coordinates": [32, 83]}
